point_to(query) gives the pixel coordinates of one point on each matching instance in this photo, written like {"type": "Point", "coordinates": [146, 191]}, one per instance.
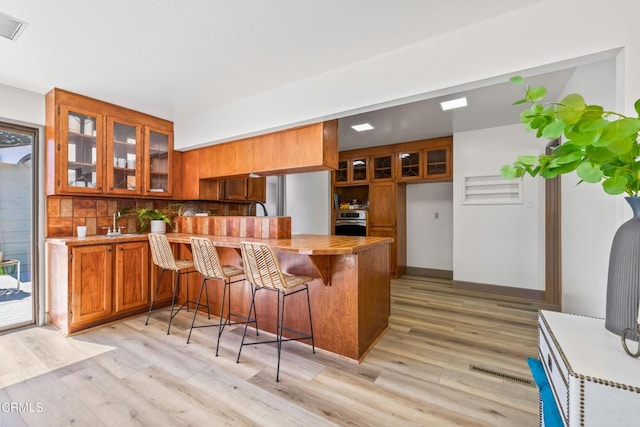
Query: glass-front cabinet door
{"type": "Point", "coordinates": [341, 175]}
{"type": "Point", "coordinates": [359, 168]}
{"type": "Point", "coordinates": [158, 158]}
{"type": "Point", "coordinates": [124, 142]}
{"type": "Point", "coordinates": [382, 168]}
{"type": "Point", "coordinates": [437, 162]}
{"type": "Point", "coordinates": [410, 167]}
{"type": "Point", "coordinates": [81, 151]}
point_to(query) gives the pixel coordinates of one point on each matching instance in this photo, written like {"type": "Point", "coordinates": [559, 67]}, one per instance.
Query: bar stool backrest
{"type": "Point", "coordinates": [261, 266]}
{"type": "Point", "coordinates": [206, 259]}
{"type": "Point", "coordinates": [161, 252]}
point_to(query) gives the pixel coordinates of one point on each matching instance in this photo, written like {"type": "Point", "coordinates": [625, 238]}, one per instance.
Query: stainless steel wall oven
{"type": "Point", "coordinates": [351, 222]}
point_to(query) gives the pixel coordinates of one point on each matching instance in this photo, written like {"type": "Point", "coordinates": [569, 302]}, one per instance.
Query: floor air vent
{"type": "Point", "coordinates": [494, 373]}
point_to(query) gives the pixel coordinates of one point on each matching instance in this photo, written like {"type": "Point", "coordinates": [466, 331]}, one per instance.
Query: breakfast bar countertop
{"type": "Point", "coordinates": [305, 244]}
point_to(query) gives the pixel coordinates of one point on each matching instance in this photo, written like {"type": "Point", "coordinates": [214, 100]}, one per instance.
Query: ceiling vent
{"type": "Point", "coordinates": [10, 27]}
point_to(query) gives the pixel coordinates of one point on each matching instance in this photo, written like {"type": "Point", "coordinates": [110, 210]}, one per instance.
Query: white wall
{"type": "Point", "coordinates": [307, 202]}
{"type": "Point", "coordinates": [590, 217]}
{"type": "Point", "coordinates": [20, 105]}
{"type": "Point", "coordinates": [430, 239]}
{"type": "Point", "coordinates": [497, 244]}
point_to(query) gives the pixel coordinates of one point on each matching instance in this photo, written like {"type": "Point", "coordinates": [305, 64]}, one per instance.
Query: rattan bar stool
{"type": "Point", "coordinates": [163, 257]}
{"type": "Point", "coordinates": [207, 262]}
{"type": "Point", "coordinates": [262, 270]}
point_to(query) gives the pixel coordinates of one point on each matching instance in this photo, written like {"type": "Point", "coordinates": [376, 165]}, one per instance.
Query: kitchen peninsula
{"type": "Point", "coordinates": [350, 293]}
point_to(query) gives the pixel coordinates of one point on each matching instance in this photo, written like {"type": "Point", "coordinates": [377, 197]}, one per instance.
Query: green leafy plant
{"type": "Point", "coordinates": [601, 146]}
{"type": "Point", "coordinates": [145, 215]}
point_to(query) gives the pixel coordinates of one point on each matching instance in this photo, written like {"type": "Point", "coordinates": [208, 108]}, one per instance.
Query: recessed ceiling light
{"type": "Point", "coordinates": [453, 103]}
{"type": "Point", "coordinates": [10, 27]}
{"type": "Point", "coordinates": [362, 127]}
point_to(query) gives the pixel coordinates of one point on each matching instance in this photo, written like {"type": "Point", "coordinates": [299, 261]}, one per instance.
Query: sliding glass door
{"type": "Point", "coordinates": [17, 225]}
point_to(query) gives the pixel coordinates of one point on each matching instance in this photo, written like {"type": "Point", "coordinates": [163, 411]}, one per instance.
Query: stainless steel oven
{"type": "Point", "coordinates": [351, 222]}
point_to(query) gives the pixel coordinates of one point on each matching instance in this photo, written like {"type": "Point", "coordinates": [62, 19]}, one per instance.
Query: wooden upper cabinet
{"type": "Point", "coordinates": [94, 147]}
{"type": "Point", "coordinates": [359, 170]}
{"type": "Point", "coordinates": [341, 174]}
{"type": "Point", "coordinates": [382, 168]}
{"type": "Point", "coordinates": [79, 150]}
{"type": "Point", "coordinates": [257, 189]}
{"type": "Point", "coordinates": [244, 189]}
{"type": "Point", "coordinates": [158, 161]}
{"type": "Point", "coordinates": [124, 156]}
{"type": "Point", "coordinates": [352, 171]}
{"type": "Point", "coordinates": [234, 189]}
{"type": "Point", "coordinates": [437, 162]}
{"type": "Point", "coordinates": [415, 161]}
{"type": "Point", "coordinates": [410, 165]}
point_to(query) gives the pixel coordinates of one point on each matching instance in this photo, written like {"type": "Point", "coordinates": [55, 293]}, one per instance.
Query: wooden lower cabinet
{"type": "Point", "coordinates": [94, 284]}
{"type": "Point", "coordinates": [131, 276]}
{"type": "Point", "coordinates": [90, 282]}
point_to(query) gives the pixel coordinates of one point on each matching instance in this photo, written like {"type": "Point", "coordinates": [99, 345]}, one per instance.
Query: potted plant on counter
{"type": "Point", "coordinates": [156, 218]}
{"type": "Point", "coordinates": [600, 146]}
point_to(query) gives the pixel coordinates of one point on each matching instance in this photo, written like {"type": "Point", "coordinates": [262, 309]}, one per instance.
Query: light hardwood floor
{"type": "Point", "coordinates": [418, 374]}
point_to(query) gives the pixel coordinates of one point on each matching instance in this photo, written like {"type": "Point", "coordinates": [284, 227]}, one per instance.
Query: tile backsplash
{"type": "Point", "coordinates": [65, 213]}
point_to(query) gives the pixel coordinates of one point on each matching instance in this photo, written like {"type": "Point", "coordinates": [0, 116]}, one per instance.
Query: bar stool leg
{"type": "Point", "coordinates": [155, 295]}
{"type": "Point", "coordinates": [222, 324]}
{"type": "Point", "coordinates": [246, 325]}
{"type": "Point", "coordinates": [313, 345]}
{"type": "Point", "coordinates": [279, 332]}
{"type": "Point", "coordinates": [173, 300]}
{"type": "Point", "coordinates": [195, 313]}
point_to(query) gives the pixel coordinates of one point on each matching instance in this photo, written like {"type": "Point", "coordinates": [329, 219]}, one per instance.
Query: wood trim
{"type": "Point", "coordinates": [531, 294]}
{"type": "Point", "coordinates": [553, 237]}
{"type": "Point", "coordinates": [430, 272]}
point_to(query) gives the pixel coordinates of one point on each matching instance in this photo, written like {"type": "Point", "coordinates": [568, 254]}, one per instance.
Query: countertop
{"type": "Point", "coordinates": [306, 244]}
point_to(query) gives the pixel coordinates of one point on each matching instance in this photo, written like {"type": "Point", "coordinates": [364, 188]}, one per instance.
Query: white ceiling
{"type": "Point", "coordinates": [488, 106]}
{"type": "Point", "coordinates": [175, 59]}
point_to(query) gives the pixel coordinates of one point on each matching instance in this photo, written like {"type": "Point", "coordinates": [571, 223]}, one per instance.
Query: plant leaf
{"type": "Point", "coordinates": [509, 171]}
{"type": "Point", "coordinates": [615, 185]}
{"type": "Point", "coordinates": [621, 146]}
{"type": "Point", "coordinates": [517, 80]}
{"type": "Point", "coordinates": [571, 108]}
{"type": "Point", "coordinates": [589, 172]}
{"type": "Point", "coordinates": [528, 160]}
{"type": "Point", "coordinates": [599, 154]}
{"type": "Point", "coordinates": [636, 106]}
{"type": "Point", "coordinates": [536, 93]}
{"type": "Point", "coordinates": [618, 129]}
{"type": "Point", "coordinates": [553, 130]}
{"type": "Point", "coordinates": [570, 158]}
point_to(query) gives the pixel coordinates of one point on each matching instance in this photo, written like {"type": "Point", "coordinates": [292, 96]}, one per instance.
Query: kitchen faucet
{"type": "Point", "coordinates": [253, 205]}
{"type": "Point", "coordinates": [116, 230]}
